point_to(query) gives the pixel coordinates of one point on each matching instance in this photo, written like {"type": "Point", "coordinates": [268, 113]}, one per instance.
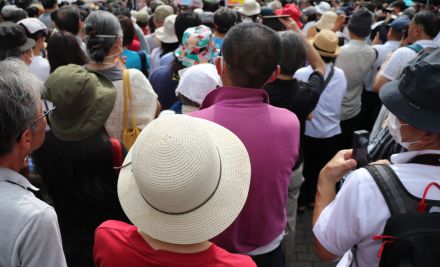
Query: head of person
{"type": "Point", "coordinates": [360, 23]}
{"type": "Point", "coordinates": [63, 49]}
{"type": "Point", "coordinates": [141, 17]}
{"type": "Point", "coordinates": [413, 104]}
{"type": "Point", "coordinates": [195, 83]}
{"type": "Point", "coordinates": [293, 51]}
{"type": "Point", "coordinates": [397, 27]}
{"type": "Point", "coordinates": [167, 35]}
{"type": "Point", "coordinates": [103, 36]}
{"type": "Point", "coordinates": [250, 11]}
{"type": "Point", "coordinates": [160, 14]}
{"type": "Point", "coordinates": [36, 30]}
{"type": "Point", "coordinates": [196, 47]}
{"type": "Point", "coordinates": [171, 204]}
{"type": "Point", "coordinates": [293, 11]}
{"type": "Point", "coordinates": [49, 5]}
{"type": "Point", "coordinates": [309, 14]}
{"type": "Point", "coordinates": [326, 43]}
{"type": "Point", "coordinates": [424, 25]}
{"type": "Point", "coordinates": [13, 14]}
{"type": "Point", "coordinates": [224, 19]}
{"type": "Point", "coordinates": [251, 53]}
{"type": "Point", "coordinates": [397, 7]}
{"type": "Point", "coordinates": [22, 123]}
{"type": "Point", "coordinates": [322, 7]}
{"type": "Point", "coordinates": [185, 21]}
{"type": "Point", "coordinates": [68, 19]}
{"type": "Point", "coordinates": [127, 30]}
{"type": "Point", "coordinates": [15, 43]}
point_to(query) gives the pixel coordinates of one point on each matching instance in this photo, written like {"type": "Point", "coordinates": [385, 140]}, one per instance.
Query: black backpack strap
{"type": "Point", "coordinates": [398, 199]}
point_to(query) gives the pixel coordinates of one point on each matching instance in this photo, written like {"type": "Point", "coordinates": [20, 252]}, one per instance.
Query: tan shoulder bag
{"type": "Point", "coordinates": [129, 135]}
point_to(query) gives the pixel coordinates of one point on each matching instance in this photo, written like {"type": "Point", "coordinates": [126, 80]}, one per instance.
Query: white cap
{"type": "Point", "coordinates": [323, 7]}
{"type": "Point", "coordinates": [250, 8]}
{"type": "Point", "coordinates": [198, 81]}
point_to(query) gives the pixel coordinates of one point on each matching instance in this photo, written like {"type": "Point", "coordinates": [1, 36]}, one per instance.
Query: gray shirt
{"type": "Point", "coordinates": [29, 233]}
{"type": "Point", "coordinates": [356, 60]}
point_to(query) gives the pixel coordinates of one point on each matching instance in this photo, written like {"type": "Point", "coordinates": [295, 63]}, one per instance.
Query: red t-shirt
{"type": "Point", "coordinates": [120, 244]}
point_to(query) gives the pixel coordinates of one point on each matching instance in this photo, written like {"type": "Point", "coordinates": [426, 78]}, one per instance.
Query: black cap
{"type": "Point", "coordinates": [415, 97]}
{"type": "Point", "coordinates": [13, 40]}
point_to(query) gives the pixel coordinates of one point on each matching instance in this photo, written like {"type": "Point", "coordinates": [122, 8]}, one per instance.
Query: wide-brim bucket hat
{"type": "Point", "coordinates": [185, 179]}
{"type": "Point", "coordinates": [83, 101]}
{"type": "Point", "coordinates": [327, 21]}
{"type": "Point", "coordinates": [166, 33]}
{"type": "Point", "coordinates": [415, 97]}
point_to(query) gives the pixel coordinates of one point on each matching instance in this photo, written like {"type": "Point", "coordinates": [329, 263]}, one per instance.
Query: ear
{"type": "Point", "coordinates": [218, 65]}
{"type": "Point", "coordinates": [25, 140]}
{"type": "Point", "coordinates": [274, 75]}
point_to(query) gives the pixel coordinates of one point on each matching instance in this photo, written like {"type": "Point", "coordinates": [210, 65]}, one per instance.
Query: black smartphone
{"type": "Point", "coordinates": [360, 145]}
{"type": "Point", "coordinates": [274, 23]}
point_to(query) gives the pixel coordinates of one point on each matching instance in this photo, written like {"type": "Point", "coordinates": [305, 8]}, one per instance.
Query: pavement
{"type": "Point", "coordinates": [304, 252]}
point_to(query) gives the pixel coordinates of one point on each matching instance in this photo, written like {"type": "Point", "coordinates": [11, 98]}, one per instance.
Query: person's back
{"type": "Point", "coordinates": [270, 134]}
{"type": "Point", "coordinates": [28, 227]}
{"type": "Point", "coordinates": [176, 210]}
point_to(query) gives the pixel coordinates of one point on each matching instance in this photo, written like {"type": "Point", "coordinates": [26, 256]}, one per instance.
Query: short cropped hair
{"type": "Point", "coordinates": [20, 93]}
{"type": "Point", "coordinates": [127, 29]}
{"type": "Point", "coordinates": [68, 18]}
{"type": "Point", "coordinates": [294, 52]}
{"type": "Point", "coordinates": [429, 21]}
{"type": "Point", "coordinates": [252, 52]}
{"type": "Point", "coordinates": [224, 19]}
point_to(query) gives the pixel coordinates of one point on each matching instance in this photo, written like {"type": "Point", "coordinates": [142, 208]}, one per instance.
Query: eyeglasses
{"type": "Point", "coordinates": [45, 114]}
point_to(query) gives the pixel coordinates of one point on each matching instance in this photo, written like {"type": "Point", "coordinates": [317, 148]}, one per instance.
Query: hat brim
{"type": "Point", "coordinates": [30, 43]}
{"type": "Point", "coordinates": [164, 37]}
{"type": "Point", "coordinates": [400, 106]}
{"type": "Point", "coordinates": [87, 123]}
{"type": "Point", "coordinates": [326, 54]}
{"type": "Point", "coordinates": [207, 221]}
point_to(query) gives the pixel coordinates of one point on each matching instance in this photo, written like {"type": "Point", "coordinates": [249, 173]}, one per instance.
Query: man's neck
{"type": "Point", "coordinates": [160, 245]}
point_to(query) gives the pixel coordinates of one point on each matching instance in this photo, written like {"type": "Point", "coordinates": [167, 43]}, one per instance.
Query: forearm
{"type": "Point", "coordinates": [325, 194]}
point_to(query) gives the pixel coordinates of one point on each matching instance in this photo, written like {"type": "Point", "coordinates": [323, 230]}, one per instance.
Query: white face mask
{"type": "Point", "coordinates": [394, 126]}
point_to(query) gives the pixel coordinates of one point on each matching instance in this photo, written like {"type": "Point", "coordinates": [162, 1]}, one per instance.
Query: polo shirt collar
{"type": "Point", "coordinates": [235, 96]}
{"type": "Point", "coordinates": [357, 42]}
{"type": "Point", "coordinates": [405, 157]}
{"type": "Point", "coordinates": [11, 176]}
{"type": "Point", "coordinates": [426, 43]}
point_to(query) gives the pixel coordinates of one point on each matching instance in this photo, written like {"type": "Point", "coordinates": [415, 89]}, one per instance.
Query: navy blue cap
{"type": "Point", "coordinates": [400, 23]}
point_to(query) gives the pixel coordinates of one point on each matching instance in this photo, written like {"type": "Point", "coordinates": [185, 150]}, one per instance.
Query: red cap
{"type": "Point", "coordinates": [293, 11]}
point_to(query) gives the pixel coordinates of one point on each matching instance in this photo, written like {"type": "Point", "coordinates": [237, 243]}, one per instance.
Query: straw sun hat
{"type": "Point", "coordinates": [185, 180]}
{"type": "Point", "coordinates": [326, 43]}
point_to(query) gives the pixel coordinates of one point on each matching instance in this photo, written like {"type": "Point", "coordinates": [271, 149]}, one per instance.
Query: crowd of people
{"type": "Point", "coordinates": [192, 133]}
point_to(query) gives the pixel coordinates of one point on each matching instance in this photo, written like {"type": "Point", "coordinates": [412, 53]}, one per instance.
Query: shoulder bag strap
{"type": "Point", "coordinates": [127, 95]}
{"type": "Point", "coordinates": [398, 199]}
{"type": "Point", "coordinates": [330, 76]}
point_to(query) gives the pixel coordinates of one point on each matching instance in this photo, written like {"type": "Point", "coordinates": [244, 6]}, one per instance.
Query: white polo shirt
{"type": "Point", "coordinates": [325, 120]}
{"type": "Point", "coordinates": [359, 210]}
{"type": "Point", "coordinates": [392, 69]}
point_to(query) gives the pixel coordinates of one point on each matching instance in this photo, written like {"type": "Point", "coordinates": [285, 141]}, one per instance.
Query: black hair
{"type": "Point", "coordinates": [16, 15]}
{"type": "Point", "coordinates": [151, 24]}
{"type": "Point", "coordinates": [399, 4]}
{"type": "Point", "coordinates": [328, 59]}
{"type": "Point", "coordinates": [252, 52]}
{"type": "Point", "coordinates": [49, 4]}
{"type": "Point", "coordinates": [185, 21]}
{"type": "Point", "coordinates": [32, 12]}
{"type": "Point", "coordinates": [429, 21]}
{"type": "Point", "coordinates": [224, 19]}
{"type": "Point", "coordinates": [127, 29]}
{"type": "Point", "coordinates": [67, 18]}
{"type": "Point", "coordinates": [168, 47]}
{"type": "Point", "coordinates": [36, 35]}
{"type": "Point", "coordinates": [62, 49]}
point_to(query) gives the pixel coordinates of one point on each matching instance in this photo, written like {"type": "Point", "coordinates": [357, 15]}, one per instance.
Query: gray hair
{"type": "Point", "coordinates": [20, 95]}
{"type": "Point", "coordinates": [294, 52]}
{"type": "Point", "coordinates": [102, 29]}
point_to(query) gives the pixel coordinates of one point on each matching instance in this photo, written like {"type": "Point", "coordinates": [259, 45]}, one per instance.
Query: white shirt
{"type": "Point", "coordinates": [394, 66]}
{"type": "Point", "coordinates": [355, 60]}
{"type": "Point", "coordinates": [383, 50]}
{"type": "Point", "coordinates": [307, 26]}
{"type": "Point", "coordinates": [155, 59]}
{"type": "Point", "coordinates": [40, 67]}
{"type": "Point", "coordinates": [359, 210]}
{"type": "Point", "coordinates": [326, 116]}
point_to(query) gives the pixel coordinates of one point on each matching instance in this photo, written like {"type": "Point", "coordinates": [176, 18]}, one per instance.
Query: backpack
{"type": "Point", "coordinates": [411, 236]}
